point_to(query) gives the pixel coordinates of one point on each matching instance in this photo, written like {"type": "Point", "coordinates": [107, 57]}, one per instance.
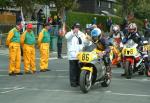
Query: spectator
{"type": "Point", "coordinates": [40, 16]}
{"type": "Point", "coordinates": [94, 21]}
{"type": "Point", "coordinates": [50, 20]}
{"type": "Point", "coordinates": [59, 43]}
{"type": "Point", "coordinates": [59, 22]}
{"type": "Point", "coordinates": [147, 29]}
{"type": "Point", "coordinates": [33, 16]}
{"type": "Point", "coordinates": [124, 26]}
{"type": "Point", "coordinates": [100, 26]}
{"type": "Point", "coordinates": [19, 18]}
{"type": "Point", "coordinates": [75, 44]}
{"type": "Point", "coordinates": [1, 38]}
{"type": "Point", "coordinates": [109, 23]}
{"type": "Point", "coordinates": [55, 22]}
{"type": "Point", "coordinates": [60, 37]}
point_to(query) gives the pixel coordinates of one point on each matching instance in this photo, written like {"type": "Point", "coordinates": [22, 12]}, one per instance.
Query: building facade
{"type": "Point", "coordinates": [96, 6]}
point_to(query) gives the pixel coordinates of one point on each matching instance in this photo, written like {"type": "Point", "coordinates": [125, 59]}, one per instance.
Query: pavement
{"type": "Point", "coordinates": [53, 86]}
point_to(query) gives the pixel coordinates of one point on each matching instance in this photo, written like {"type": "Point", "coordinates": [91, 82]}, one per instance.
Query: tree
{"type": "Point", "coordinates": [4, 3]}
{"type": "Point", "coordinates": [27, 5]}
{"type": "Point", "coordinates": [133, 6]}
{"type": "Point", "coordinates": [64, 5]}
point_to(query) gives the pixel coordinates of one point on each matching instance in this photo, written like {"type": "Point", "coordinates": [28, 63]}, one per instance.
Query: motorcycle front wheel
{"type": "Point", "coordinates": [85, 81]}
{"type": "Point", "coordinates": [128, 70]}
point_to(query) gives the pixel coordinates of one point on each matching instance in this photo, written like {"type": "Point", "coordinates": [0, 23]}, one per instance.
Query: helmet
{"type": "Point", "coordinates": [115, 28]}
{"type": "Point", "coordinates": [95, 34]}
{"type": "Point", "coordinates": [29, 26]}
{"type": "Point", "coordinates": [76, 25]}
{"type": "Point", "coordinates": [132, 27]}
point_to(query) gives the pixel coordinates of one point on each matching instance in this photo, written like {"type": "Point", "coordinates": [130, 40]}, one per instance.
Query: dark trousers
{"type": "Point", "coordinates": [74, 71]}
{"type": "Point", "coordinates": [21, 51]}
{"type": "Point", "coordinates": [59, 49]}
{"type": "Point", "coordinates": [106, 60]}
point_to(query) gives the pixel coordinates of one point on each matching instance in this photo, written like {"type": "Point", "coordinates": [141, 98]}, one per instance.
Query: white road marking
{"type": "Point", "coordinates": [69, 91]}
{"type": "Point", "coordinates": [61, 70]}
{"type": "Point", "coordinates": [53, 76]}
{"type": "Point", "coordinates": [53, 90]}
{"type": "Point", "coordinates": [9, 88]}
{"type": "Point", "coordinates": [54, 58]}
{"type": "Point", "coordinates": [5, 54]}
{"type": "Point", "coordinates": [4, 75]}
{"type": "Point", "coordinates": [124, 94]}
{"type": "Point", "coordinates": [14, 89]}
{"type": "Point", "coordinates": [140, 79]}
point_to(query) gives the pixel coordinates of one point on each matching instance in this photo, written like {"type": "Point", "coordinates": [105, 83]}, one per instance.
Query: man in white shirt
{"type": "Point", "coordinates": [75, 44]}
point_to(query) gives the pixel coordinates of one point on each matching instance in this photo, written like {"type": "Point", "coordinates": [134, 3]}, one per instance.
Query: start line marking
{"type": "Point", "coordinates": [124, 94]}
{"type": "Point", "coordinates": [69, 91]}
{"type": "Point", "coordinates": [11, 89]}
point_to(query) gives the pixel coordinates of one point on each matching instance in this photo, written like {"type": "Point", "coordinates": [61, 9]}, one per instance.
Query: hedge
{"type": "Point", "coordinates": [86, 18]}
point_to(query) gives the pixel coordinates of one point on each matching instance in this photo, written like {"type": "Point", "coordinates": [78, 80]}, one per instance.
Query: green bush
{"type": "Point", "coordinates": [53, 13]}
{"type": "Point", "coordinates": [86, 18]}
{"type": "Point", "coordinates": [138, 22]}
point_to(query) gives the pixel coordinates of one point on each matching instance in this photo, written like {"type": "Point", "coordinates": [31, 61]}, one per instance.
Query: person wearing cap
{"type": "Point", "coordinates": [28, 44]}
{"type": "Point", "coordinates": [13, 42]}
{"type": "Point", "coordinates": [44, 42]}
{"type": "Point", "coordinates": [75, 44]}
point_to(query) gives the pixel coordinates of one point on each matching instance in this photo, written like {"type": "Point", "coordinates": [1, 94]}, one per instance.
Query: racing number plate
{"type": "Point", "coordinates": [85, 57]}
{"type": "Point", "coordinates": [129, 52]}
{"type": "Point", "coordinates": [146, 48]}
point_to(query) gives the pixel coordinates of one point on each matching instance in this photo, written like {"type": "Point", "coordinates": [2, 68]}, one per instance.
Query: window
{"type": "Point", "coordinates": [98, 3]}
{"type": "Point", "coordinates": [109, 5]}
{"type": "Point", "coordinates": [52, 5]}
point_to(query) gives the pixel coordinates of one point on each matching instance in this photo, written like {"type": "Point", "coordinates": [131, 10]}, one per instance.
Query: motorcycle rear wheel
{"type": "Point", "coordinates": [106, 82]}
{"type": "Point", "coordinates": [107, 79]}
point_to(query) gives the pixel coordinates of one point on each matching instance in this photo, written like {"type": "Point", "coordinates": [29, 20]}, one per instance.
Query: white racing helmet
{"type": "Point", "coordinates": [132, 27]}
{"type": "Point", "coordinates": [115, 28]}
